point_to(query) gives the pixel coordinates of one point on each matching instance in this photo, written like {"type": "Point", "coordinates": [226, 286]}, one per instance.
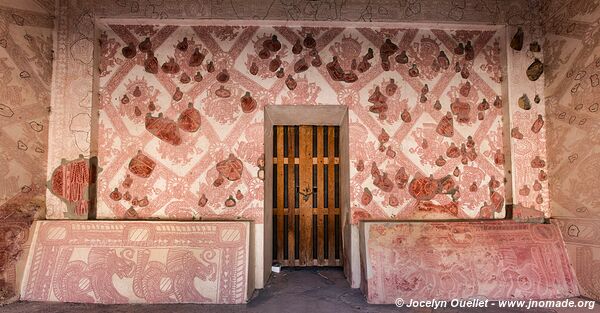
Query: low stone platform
{"type": "Point", "coordinates": [496, 260]}
{"type": "Point", "coordinates": [138, 262]}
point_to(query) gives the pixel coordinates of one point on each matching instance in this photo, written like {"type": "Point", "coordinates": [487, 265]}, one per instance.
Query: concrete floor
{"type": "Point", "coordinates": [310, 290]}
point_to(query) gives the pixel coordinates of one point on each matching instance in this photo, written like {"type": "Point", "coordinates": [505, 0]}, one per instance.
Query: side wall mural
{"type": "Point", "coordinates": [181, 119]}
{"type": "Point", "coordinates": [25, 76]}
{"type": "Point", "coordinates": [572, 49]}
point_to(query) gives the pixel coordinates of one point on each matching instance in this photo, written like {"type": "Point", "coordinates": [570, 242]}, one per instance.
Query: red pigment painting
{"type": "Point", "coordinates": [490, 260]}
{"type": "Point", "coordinates": [191, 99]}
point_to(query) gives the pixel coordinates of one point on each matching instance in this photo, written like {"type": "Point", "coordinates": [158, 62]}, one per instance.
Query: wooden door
{"type": "Point", "coordinates": [306, 216]}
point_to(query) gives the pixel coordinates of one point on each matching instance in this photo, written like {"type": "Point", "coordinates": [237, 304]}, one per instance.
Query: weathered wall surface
{"type": "Point", "coordinates": [73, 129]}
{"type": "Point", "coordinates": [494, 260]}
{"type": "Point", "coordinates": [139, 262]}
{"type": "Point", "coordinates": [25, 75]}
{"type": "Point", "coordinates": [572, 92]}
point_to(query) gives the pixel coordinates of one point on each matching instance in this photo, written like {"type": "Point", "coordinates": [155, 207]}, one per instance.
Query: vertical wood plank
{"type": "Point", "coordinates": [280, 177]}
{"type": "Point", "coordinates": [331, 194]}
{"type": "Point", "coordinates": [320, 199]}
{"type": "Point", "coordinates": [291, 197]}
{"type": "Point", "coordinates": [306, 189]}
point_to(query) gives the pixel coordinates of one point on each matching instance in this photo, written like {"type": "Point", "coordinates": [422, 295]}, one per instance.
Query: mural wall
{"type": "Point", "coordinates": [25, 75]}
{"type": "Point", "coordinates": [572, 49]}
{"type": "Point", "coordinates": [181, 119]}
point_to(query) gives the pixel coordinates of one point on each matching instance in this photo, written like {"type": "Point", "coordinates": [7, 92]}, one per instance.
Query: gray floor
{"type": "Point", "coordinates": [308, 290]}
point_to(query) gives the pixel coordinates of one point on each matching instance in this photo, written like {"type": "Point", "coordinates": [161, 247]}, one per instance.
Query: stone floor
{"type": "Point", "coordinates": [310, 290]}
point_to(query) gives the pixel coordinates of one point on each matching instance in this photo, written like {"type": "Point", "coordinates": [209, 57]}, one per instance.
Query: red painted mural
{"type": "Point", "coordinates": [129, 262]}
{"type": "Point", "coordinates": [423, 103]}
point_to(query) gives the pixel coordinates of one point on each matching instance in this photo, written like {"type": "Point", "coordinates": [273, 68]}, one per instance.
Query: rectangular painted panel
{"type": "Point", "coordinates": [138, 262]}
{"type": "Point", "coordinates": [495, 260]}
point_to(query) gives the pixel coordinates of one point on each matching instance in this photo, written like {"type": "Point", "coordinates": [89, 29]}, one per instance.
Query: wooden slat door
{"type": "Point", "coordinates": [306, 219]}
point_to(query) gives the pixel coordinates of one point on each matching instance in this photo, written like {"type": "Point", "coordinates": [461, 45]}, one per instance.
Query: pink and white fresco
{"type": "Point", "coordinates": [444, 121]}
{"type": "Point", "coordinates": [138, 262]}
{"type": "Point", "coordinates": [494, 260]}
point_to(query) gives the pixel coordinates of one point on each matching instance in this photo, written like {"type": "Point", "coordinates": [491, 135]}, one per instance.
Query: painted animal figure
{"type": "Point", "coordinates": [78, 281]}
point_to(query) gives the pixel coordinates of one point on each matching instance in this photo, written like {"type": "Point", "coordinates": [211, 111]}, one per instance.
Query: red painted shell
{"type": "Point", "coordinates": [537, 186]}
{"type": "Point", "coordinates": [223, 76]}
{"type": "Point", "coordinates": [222, 92]}
{"type": "Point", "coordinates": [70, 181]}
{"type": "Point", "coordinates": [375, 170]}
{"type": "Point", "coordinates": [128, 181]}
{"type": "Point", "coordinates": [515, 133]}
{"type": "Point", "coordinates": [443, 60]}
{"type": "Point", "coordinates": [465, 89]}
{"type": "Point", "coordinates": [202, 201]}
{"type": "Point", "coordinates": [129, 51]}
{"type": "Point", "coordinates": [423, 188]}
{"type": "Point", "coordinates": [230, 168]}
{"type": "Point", "coordinates": [275, 64]}
{"type": "Point", "coordinates": [124, 99]}
{"type": "Point", "coordinates": [151, 63]}
{"type": "Point", "coordinates": [210, 67]}
{"type": "Point", "coordinates": [402, 58]}
{"type": "Point", "coordinates": [524, 191]}
{"type": "Point", "coordinates": [440, 161]}
{"type": "Point", "coordinates": [300, 66]}
{"type": "Point", "coordinates": [394, 201]}
{"type": "Point", "coordinates": [310, 42]}
{"type": "Point", "coordinates": [141, 165]}
{"type": "Point", "coordinates": [219, 181]}
{"type": "Point", "coordinates": [264, 54]}
{"type": "Point", "coordinates": [363, 66]}
{"type": "Point", "coordinates": [360, 165]}
{"type": "Point", "coordinates": [184, 78]}
{"type": "Point", "coordinates": [498, 102]}
{"type": "Point", "coordinates": [453, 151]}
{"type": "Point", "coordinates": [145, 45]}
{"type": "Point", "coordinates": [183, 44]}
{"type": "Point", "coordinates": [542, 176]}
{"type": "Point", "coordinates": [494, 183]}
{"type": "Point", "coordinates": [437, 105]}
{"type": "Point", "coordinates": [387, 49]}
{"type": "Point", "coordinates": [377, 97]}
{"type": "Point", "coordinates": [297, 47]}
{"type": "Point", "coordinates": [473, 187]}
{"type": "Point", "coordinates": [230, 202]}
{"type": "Point", "coordinates": [127, 196]}
{"type": "Point", "coordinates": [248, 103]}
{"type": "Point", "coordinates": [497, 201]}
{"type": "Point", "coordinates": [391, 88]}
{"type": "Point", "coordinates": [316, 61]}
{"type": "Point", "coordinates": [272, 44]}
{"type": "Point", "coordinates": [499, 157]}
{"type": "Point", "coordinates": [197, 58]}
{"type": "Point", "coordinates": [137, 92]}
{"type": "Point", "coordinates": [115, 195]}
{"type": "Point", "coordinates": [366, 197]}
{"type": "Point", "coordinates": [163, 128]}
{"type": "Point", "coordinates": [198, 77]}
{"type": "Point", "coordinates": [350, 77]}
{"type": "Point", "coordinates": [143, 202]}
{"type": "Point", "coordinates": [405, 116]}
{"type": "Point", "coordinates": [456, 172]}
{"type": "Point", "coordinates": [239, 195]}
{"type": "Point", "coordinates": [401, 178]}
{"type": "Point", "coordinates": [390, 152]}
{"type": "Point", "coordinates": [383, 136]}
{"type": "Point", "coordinates": [170, 67]}
{"type": "Point", "coordinates": [189, 119]}
{"type": "Point", "coordinates": [538, 124]}
{"type": "Point", "coordinates": [253, 69]}
{"type": "Point", "coordinates": [537, 162]}
{"type": "Point", "coordinates": [137, 111]}
{"type": "Point", "coordinates": [131, 213]}
{"type": "Point", "coordinates": [178, 95]}
{"type": "Point", "coordinates": [469, 51]}
{"type": "Point", "coordinates": [413, 71]}
{"type": "Point", "coordinates": [461, 110]}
